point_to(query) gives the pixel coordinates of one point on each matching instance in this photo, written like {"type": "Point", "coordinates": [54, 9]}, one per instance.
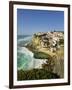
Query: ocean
{"type": "Point", "coordinates": [25, 59]}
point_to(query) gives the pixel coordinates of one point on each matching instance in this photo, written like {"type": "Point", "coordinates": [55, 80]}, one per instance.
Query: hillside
{"type": "Point", "coordinates": [51, 44]}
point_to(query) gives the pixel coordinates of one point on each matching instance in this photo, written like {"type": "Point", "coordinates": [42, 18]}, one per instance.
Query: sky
{"type": "Point", "coordinates": [32, 21]}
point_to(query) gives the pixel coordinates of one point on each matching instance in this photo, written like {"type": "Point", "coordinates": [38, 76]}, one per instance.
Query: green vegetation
{"type": "Point", "coordinates": [49, 65]}
{"type": "Point", "coordinates": [61, 42]}
{"type": "Point", "coordinates": [41, 55]}
{"type": "Point", "coordinates": [36, 74]}
{"type": "Point", "coordinates": [46, 72]}
{"type": "Point", "coordinates": [41, 46]}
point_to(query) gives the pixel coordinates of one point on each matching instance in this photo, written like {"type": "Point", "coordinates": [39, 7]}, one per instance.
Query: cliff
{"type": "Point", "coordinates": [49, 45]}
{"type": "Point", "coordinates": [50, 40]}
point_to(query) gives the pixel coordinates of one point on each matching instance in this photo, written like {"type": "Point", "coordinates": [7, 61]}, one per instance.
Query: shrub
{"type": "Point", "coordinates": [41, 55]}
{"type": "Point", "coordinates": [61, 41]}
{"type": "Point", "coordinates": [36, 74]}
{"type": "Point", "coordinates": [49, 65]}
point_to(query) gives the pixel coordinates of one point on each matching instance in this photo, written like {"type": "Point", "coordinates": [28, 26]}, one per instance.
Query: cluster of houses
{"type": "Point", "coordinates": [50, 39]}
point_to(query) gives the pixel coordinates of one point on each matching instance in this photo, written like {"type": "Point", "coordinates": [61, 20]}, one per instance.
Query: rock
{"type": "Point", "coordinates": [48, 39]}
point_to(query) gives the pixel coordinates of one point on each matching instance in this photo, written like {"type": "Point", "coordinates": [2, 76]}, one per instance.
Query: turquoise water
{"type": "Point", "coordinates": [25, 59]}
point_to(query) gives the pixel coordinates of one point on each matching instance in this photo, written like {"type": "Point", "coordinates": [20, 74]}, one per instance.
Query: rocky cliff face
{"type": "Point", "coordinates": [49, 44]}
{"type": "Point", "coordinates": [50, 40]}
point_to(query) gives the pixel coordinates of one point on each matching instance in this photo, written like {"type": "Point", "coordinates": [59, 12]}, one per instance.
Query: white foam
{"type": "Point", "coordinates": [25, 51]}
{"type": "Point", "coordinates": [32, 62]}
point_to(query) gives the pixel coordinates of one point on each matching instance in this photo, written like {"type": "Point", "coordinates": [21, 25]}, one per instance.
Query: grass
{"type": "Point", "coordinates": [59, 62]}
{"type": "Point", "coordinates": [57, 56]}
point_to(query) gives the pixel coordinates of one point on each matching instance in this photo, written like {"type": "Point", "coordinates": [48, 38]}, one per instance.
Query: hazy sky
{"type": "Point", "coordinates": [31, 21]}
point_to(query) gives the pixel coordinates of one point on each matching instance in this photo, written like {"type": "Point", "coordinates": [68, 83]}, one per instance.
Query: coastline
{"type": "Point", "coordinates": [34, 62]}
{"type": "Point", "coordinates": [45, 55]}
